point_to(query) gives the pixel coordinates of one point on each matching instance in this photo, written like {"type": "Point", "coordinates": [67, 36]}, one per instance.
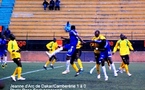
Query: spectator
{"type": "Point", "coordinates": [51, 5]}
{"type": "Point", "coordinates": [67, 27]}
{"type": "Point", "coordinates": [57, 5]}
{"type": "Point", "coordinates": [45, 4]}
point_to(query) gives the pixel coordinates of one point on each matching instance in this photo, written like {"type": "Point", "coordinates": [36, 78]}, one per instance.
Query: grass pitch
{"type": "Point", "coordinates": [39, 79]}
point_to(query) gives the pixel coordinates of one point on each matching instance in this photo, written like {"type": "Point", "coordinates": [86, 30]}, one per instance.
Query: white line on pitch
{"type": "Point", "coordinates": [32, 72]}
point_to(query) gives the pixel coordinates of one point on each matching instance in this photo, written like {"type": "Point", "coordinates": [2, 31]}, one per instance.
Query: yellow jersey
{"type": "Point", "coordinates": [13, 46]}
{"type": "Point", "coordinates": [52, 46]}
{"type": "Point", "coordinates": [124, 47]}
{"type": "Point", "coordinates": [95, 45]}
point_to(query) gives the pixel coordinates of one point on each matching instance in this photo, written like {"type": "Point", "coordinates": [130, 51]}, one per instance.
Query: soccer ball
{"type": "Point", "coordinates": [2, 85]}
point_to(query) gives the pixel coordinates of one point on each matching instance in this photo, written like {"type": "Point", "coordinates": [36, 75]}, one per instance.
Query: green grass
{"type": "Point", "coordinates": [42, 79]}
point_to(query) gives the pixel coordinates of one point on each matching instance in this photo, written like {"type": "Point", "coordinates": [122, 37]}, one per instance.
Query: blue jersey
{"type": "Point", "coordinates": [107, 52]}
{"type": "Point", "coordinates": [107, 45]}
{"type": "Point", "coordinates": [73, 37]}
{"type": "Point", "coordinates": [104, 54]}
{"type": "Point", "coordinates": [71, 47]}
{"type": "Point", "coordinates": [3, 48]}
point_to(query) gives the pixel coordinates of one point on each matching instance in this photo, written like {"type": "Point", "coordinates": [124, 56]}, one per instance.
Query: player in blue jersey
{"type": "Point", "coordinates": [105, 54]}
{"type": "Point", "coordinates": [71, 47]}
{"type": "Point", "coordinates": [3, 51]}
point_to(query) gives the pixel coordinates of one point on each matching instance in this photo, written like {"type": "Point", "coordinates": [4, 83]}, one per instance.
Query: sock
{"type": "Point", "coordinates": [108, 63]}
{"type": "Point", "coordinates": [104, 71]}
{"type": "Point", "coordinates": [15, 72]}
{"type": "Point", "coordinates": [126, 68]}
{"type": "Point", "coordinates": [57, 51]}
{"type": "Point", "coordinates": [80, 63]}
{"type": "Point", "coordinates": [98, 68]}
{"type": "Point", "coordinates": [92, 69]}
{"type": "Point", "coordinates": [2, 61]}
{"type": "Point", "coordinates": [5, 58]}
{"type": "Point", "coordinates": [122, 65]}
{"type": "Point", "coordinates": [46, 64]}
{"type": "Point", "coordinates": [53, 61]}
{"type": "Point", "coordinates": [19, 71]}
{"type": "Point", "coordinates": [113, 66]}
{"type": "Point", "coordinates": [67, 64]}
{"type": "Point", "coordinates": [75, 67]}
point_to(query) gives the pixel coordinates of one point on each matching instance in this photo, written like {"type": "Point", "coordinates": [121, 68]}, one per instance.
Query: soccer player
{"type": "Point", "coordinates": [71, 47]}
{"type": "Point", "coordinates": [3, 51]}
{"type": "Point", "coordinates": [15, 55]}
{"type": "Point", "coordinates": [97, 53]}
{"type": "Point", "coordinates": [105, 53]}
{"type": "Point", "coordinates": [76, 55]}
{"type": "Point", "coordinates": [51, 46]}
{"type": "Point", "coordinates": [124, 48]}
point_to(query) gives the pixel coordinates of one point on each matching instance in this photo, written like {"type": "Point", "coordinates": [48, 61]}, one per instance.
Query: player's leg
{"type": "Point", "coordinates": [109, 66]}
{"type": "Point", "coordinates": [92, 69]}
{"type": "Point", "coordinates": [97, 66]}
{"type": "Point", "coordinates": [70, 52]}
{"type": "Point", "coordinates": [74, 66]}
{"type": "Point", "coordinates": [47, 63]}
{"type": "Point", "coordinates": [78, 54]}
{"type": "Point", "coordinates": [55, 52]}
{"type": "Point", "coordinates": [5, 57]}
{"type": "Point", "coordinates": [18, 70]}
{"type": "Point", "coordinates": [53, 61]}
{"type": "Point", "coordinates": [104, 69]}
{"type": "Point", "coordinates": [14, 74]}
{"type": "Point", "coordinates": [2, 62]}
{"type": "Point", "coordinates": [120, 69]}
{"type": "Point", "coordinates": [112, 65]}
{"type": "Point", "coordinates": [97, 56]}
{"type": "Point", "coordinates": [67, 65]}
{"type": "Point", "coordinates": [102, 61]}
{"type": "Point", "coordinates": [126, 62]}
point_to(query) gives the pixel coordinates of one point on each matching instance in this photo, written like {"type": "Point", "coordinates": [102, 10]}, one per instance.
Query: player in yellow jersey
{"type": "Point", "coordinates": [51, 46]}
{"type": "Point", "coordinates": [124, 48]}
{"type": "Point", "coordinates": [78, 54]}
{"type": "Point", "coordinates": [15, 55]}
{"type": "Point", "coordinates": [97, 52]}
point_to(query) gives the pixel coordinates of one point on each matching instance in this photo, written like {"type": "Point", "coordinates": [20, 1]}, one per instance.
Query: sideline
{"type": "Point", "coordinates": [32, 72]}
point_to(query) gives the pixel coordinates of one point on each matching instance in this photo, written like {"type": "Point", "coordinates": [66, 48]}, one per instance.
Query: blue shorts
{"type": "Point", "coordinates": [70, 49]}
{"type": "Point", "coordinates": [105, 54]}
{"type": "Point", "coordinates": [2, 53]}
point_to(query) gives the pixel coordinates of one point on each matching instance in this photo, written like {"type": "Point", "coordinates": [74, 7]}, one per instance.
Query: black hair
{"type": "Point", "coordinates": [97, 31]}
{"type": "Point", "coordinates": [73, 27]}
{"type": "Point", "coordinates": [122, 37]}
{"type": "Point", "coordinates": [12, 37]}
{"type": "Point", "coordinates": [54, 39]}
